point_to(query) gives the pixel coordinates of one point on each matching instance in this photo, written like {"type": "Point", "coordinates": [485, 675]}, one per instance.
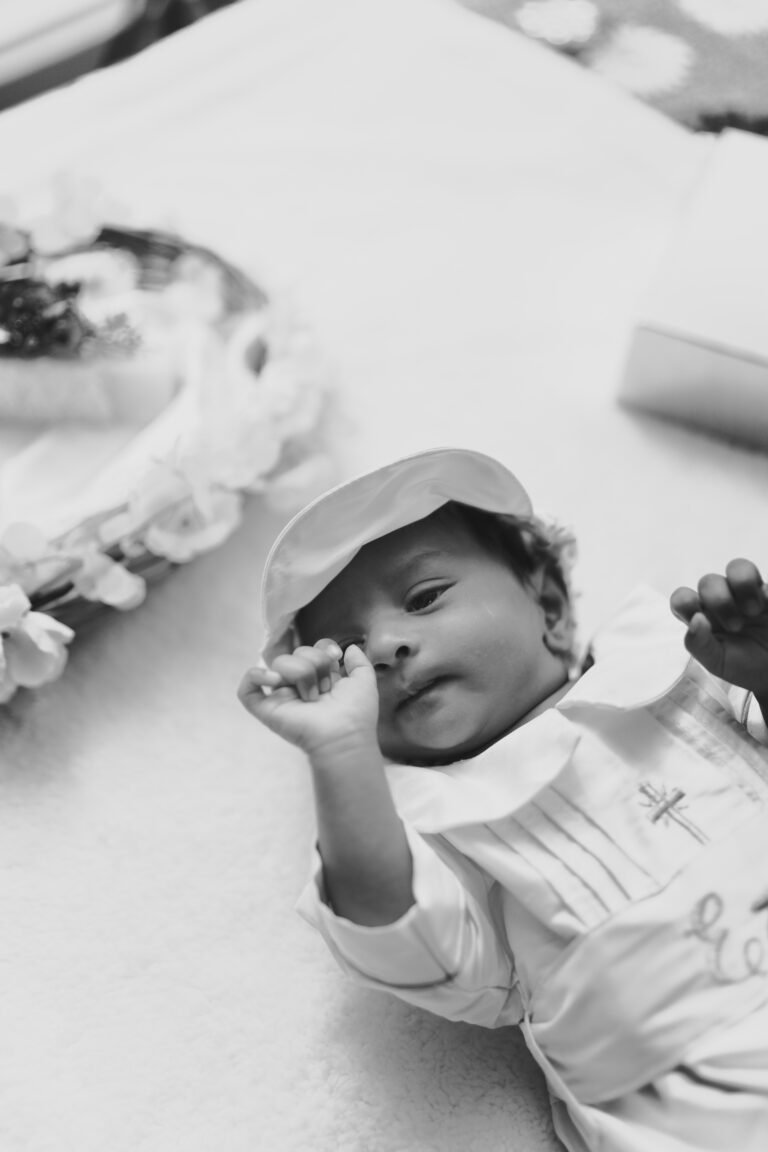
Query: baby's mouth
{"type": "Point", "coordinates": [416, 692]}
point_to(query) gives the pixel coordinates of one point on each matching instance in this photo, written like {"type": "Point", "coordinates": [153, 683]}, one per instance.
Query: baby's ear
{"type": "Point", "coordinates": [559, 624]}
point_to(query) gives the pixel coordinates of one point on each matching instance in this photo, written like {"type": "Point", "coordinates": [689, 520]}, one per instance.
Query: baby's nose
{"type": "Point", "coordinates": [388, 643]}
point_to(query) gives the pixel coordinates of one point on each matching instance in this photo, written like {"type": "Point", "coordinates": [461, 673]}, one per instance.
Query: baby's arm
{"type": "Point", "coordinates": [727, 619]}
{"type": "Point", "coordinates": [442, 950]}
{"type": "Point", "coordinates": [305, 698]}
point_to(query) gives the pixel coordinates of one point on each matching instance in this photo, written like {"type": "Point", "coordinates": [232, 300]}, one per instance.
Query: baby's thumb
{"type": "Point", "coordinates": [356, 661]}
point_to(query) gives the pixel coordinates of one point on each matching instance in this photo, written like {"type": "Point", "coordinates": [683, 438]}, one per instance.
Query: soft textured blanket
{"type": "Point", "coordinates": [467, 221]}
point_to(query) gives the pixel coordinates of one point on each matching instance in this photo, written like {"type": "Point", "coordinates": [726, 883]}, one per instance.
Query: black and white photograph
{"type": "Point", "coordinates": [384, 575]}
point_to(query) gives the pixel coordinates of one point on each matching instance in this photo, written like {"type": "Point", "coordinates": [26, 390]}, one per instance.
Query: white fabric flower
{"type": "Point", "coordinates": [729, 17]}
{"type": "Point", "coordinates": [69, 210]}
{"type": "Point", "coordinates": [645, 61]}
{"type": "Point", "coordinates": [162, 486]}
{"type": "Point", "coordinates": [197, 290]}
{"type": "Point", "coordinates": [294, 400]}
{"type": "Point", "coordinates": [232, 439]}
{"type": "Point", "coordinates": [104, 580]}
{"type": "Point", "coordinates": [177, 511]}
{"type": "Point", "coordinates": [254, 449]}
{"type": "Point", "coordinates": [32, 644]}
{"type": "Point", "coordinates": [269, 393]}
{"type": "Point", "coordinates": [195, 525]}
{"type": "Point", "coordinates": [28, 559]}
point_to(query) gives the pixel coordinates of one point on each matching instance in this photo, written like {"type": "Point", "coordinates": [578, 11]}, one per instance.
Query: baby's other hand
{"type": "Point", "coordinates": [727, 618]}
{"type": "Point", "coordinates": [315, 697]}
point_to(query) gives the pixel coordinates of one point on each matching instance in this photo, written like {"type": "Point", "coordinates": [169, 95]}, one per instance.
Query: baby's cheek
{"type": "Point", "coordinates": [390, 740]}
{"type": "Point", "coordinates": [383, 728]}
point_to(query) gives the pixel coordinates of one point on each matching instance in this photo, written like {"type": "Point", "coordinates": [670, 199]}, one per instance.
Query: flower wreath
{"type": "Point", "coordinates": [249, 418]}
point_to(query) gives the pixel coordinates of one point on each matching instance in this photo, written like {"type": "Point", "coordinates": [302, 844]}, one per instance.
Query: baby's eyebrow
{"type": "Point", "coordinates": [336, 620]}
{"type": "Point", "coordinates": [405, 567]}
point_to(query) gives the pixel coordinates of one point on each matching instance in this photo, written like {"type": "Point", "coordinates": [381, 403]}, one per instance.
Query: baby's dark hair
{"type": "Point", "coordinates": [522, 542]}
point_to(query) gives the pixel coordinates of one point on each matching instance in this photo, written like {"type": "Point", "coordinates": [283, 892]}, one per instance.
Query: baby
{"type": "Point", "coordinates": [506, 837]}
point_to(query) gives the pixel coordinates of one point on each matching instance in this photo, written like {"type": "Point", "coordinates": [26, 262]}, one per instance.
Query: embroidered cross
{"type": "Point", "coordinates": [665, 806]}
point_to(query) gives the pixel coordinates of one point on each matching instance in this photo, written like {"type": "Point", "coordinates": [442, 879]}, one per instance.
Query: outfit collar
{"type": "Point", "coordinates": [639, 657]}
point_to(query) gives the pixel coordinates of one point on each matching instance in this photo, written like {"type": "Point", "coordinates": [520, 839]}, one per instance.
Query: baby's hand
{"type": "Point", "coordinates": [314, 699]}
{"type": "Point", "coordinates": [727, 620]}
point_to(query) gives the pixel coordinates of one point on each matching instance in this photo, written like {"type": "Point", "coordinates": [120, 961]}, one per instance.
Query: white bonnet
{"type": "Point", "coordinates": [325, 535]}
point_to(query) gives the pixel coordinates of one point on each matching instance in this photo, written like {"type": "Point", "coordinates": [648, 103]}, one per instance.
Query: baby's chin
{"type": "Point", "coordinates": [435, 752]}
{"type": "Point", "coordinates": [444, 734]}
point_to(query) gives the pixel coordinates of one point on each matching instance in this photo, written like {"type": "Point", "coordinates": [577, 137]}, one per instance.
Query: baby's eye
{"type": "Point", "coordinates": [425, 597]}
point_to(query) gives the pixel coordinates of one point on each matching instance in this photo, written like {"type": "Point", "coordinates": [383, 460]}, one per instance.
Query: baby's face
{"type": "Point", "coordinates": [456, 640]}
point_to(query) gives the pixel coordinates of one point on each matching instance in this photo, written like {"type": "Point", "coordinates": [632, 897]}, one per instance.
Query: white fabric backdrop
{"type": "Point", "coordinates": [467, 222]}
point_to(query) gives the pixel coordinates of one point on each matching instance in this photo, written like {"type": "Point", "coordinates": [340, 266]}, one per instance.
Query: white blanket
{"type": "Point", "coordinates": [467, 222]}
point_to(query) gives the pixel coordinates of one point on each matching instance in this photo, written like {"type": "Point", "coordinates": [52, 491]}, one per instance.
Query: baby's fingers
{"type": "Point", "coordinates": [699, 639]}
{"type": "Point", "coordinates": [308, 670]}
{"type": "Point", "coordinates": [728, 601]}
{"type": "Point", "coordinates": [725, 600]}
{"type": "Point", "coordinates": [684, 604]}
{"type": "Point", "coordinates": [718, 603]}
{"type": "Point", "coordinates": [329, 668]}
{"type": "Point", "coordinates": [250, 692]}
{"type": "Point", "coordinates": [703, 645]}
{"type": "Point", "coordinates": [299, 671]}
{"type": "Point", "coordinates": [747, 587]}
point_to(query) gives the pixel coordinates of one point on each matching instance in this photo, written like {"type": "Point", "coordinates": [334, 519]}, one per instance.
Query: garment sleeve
{"type": "Point", "coordinates": [445, 954]}
{"type": "Point", "coordinates": [740, 702]}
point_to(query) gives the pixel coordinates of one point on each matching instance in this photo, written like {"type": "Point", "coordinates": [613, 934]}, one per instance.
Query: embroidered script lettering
{"type": "Point", "coordinates": [730, 962]}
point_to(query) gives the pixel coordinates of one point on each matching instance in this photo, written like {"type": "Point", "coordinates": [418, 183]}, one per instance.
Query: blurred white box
{"type": "Point", "coordinates": [699, 351]}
